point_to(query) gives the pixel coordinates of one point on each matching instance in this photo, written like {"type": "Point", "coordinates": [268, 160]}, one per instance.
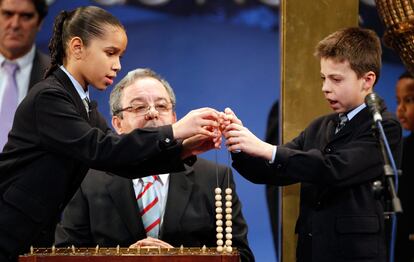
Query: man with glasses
{"type": "Point", "coordinates": [109, 210]}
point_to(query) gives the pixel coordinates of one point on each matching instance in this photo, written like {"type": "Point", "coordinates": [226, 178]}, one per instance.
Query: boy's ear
{"type": "Point", "coordinates": [369, 80]}
{"type": "Point", "coordinates": [76, 47]}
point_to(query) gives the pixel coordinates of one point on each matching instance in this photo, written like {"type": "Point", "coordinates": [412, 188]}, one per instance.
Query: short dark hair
{"type": "Point", "coordinates": [360, 47]}
{"type": "Point", "coordinates": [41, 8]}
{"type": "Point", "coordinates": [406, 74]}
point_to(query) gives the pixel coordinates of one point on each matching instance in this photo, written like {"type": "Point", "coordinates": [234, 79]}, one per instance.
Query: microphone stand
{"type": "Point", "coordinates": [390, 169]}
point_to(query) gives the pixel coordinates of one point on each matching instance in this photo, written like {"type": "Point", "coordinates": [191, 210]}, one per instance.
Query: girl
{"type": "Point", "coordinates": [57, 135]}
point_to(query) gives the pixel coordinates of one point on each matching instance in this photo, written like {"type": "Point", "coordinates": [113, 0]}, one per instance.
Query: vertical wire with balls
{"type": "Point", "coordinates": [221, 245]}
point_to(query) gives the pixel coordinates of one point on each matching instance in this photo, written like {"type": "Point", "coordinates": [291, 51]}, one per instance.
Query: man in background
{"type": "Point", "coordinates": [108, 210]}
{"type": "Point", "coordinates": [21, 63]}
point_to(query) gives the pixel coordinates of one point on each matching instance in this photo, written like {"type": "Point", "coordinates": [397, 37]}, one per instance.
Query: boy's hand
{"type": "Point", "coordinates": [239, 138]}
{"type": "Point", "coordinates": [228, 117]}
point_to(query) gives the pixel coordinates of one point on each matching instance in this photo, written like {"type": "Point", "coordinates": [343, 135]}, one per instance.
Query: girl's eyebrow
{"type": "Point", "coordinates": [114, 49]}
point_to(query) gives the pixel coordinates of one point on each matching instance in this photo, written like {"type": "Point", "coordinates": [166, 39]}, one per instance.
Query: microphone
{"type": "Point", "coordinates": [375, 105]}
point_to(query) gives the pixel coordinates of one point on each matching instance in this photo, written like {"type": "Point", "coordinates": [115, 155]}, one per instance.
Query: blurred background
{"type": "Point", "coordinates": [217, 53]}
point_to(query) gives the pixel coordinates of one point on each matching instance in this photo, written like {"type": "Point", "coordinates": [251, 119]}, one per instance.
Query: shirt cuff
{"type": "Point", "coordinates": [273, 155]}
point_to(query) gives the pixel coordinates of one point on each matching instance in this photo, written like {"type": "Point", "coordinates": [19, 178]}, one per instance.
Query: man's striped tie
{"type": "Point", "coordinates": [149, 206]}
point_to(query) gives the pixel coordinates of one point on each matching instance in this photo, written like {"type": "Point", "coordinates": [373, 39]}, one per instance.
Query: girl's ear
{"type": "Point", "coordinates": [76, 47]}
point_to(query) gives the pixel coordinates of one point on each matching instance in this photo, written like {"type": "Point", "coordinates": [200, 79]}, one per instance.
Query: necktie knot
{"type": "Point", "coordinates": [343, 118]}
{"type": "Point", "coordinates": [149, 179]}
{"type": "Point", "coordinates": [10, 68]}
{"type": "Point", "coordinates": [87, 104]}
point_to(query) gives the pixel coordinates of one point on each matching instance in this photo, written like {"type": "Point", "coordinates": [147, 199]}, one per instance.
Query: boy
{"type": "Point", "coordinates": [405, 113]}
{"type": "Point", "coordinates": [335, 160]}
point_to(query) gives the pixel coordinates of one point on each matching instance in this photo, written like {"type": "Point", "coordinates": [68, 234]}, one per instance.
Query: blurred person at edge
{"type": "Point", "coordinates": [20, 20]}
{"type": "Point", "coordinates": [404, 247]}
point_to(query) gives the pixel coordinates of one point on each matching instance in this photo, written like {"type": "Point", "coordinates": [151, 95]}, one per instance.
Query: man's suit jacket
{"type": "Point", "coordinates": [104, 211]}
{"type": "Point", "coordinates": [340, 217]}
{"type": "Point", "coordinates": [41, 62]}
{"type": "Point", "coordinates": [52, 145]}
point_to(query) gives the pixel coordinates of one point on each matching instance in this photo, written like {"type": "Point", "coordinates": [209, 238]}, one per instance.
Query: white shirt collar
{"type": "Point", "coordinates": [163, 178]}
{"type": "Point", "coordinates": [355, 111]}
{"type": "Point", "coordinates": [82, 93]}
{"type": "Point", "coordinates": [23, 61]}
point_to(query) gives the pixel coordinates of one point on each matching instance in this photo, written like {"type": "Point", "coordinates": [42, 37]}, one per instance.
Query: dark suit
{"type": "Point", "coordinates": [104, 211]}
{"type": "Point", "coordinates": [52, 145]}
{"type": "Point", "coordinates": [41, 62]}
{"type": "Point", "coordinates": [340, 218]}
{"type": "Point", "coordinates": [272, 191]}
{"type": "Point", "coordinates": [404, 248]}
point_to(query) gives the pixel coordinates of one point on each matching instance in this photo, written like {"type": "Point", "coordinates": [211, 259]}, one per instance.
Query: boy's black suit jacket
{"type": "Point", "coordinates": [340, 218]}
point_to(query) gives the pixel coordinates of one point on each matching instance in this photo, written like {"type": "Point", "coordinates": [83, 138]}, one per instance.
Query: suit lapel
{"type": "Point", "coordinates": [93, 118]}
{"type": "Point", "coordinates": [68, 86]}
{"type": "Point", "coordinates": [179, 193]}
{"type": "Point", "coordinates": [123, 195]}
{"type": "Point", "coordinates": [40, 64]}
{"type": "Point", "coordinates": [330, 129]}
{"type": "Point", "coordinates": [351, 125]}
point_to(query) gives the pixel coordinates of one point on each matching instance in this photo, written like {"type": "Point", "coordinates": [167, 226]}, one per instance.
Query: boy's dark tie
{"type": "Point", "coordinates": [342, 122]}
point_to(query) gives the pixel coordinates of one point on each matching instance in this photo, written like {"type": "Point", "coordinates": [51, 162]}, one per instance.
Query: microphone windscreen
{"type": "Point", "coordinates": [375, 105]}
{"type": "Point", "coordinates": [374, 101]}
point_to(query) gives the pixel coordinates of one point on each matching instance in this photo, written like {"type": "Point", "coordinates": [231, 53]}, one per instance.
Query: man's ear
{"type": "Point", "coordinates": [76, 47]}
{"type": "Point", "coordinates": [117, 124]}
{"type": "Point", "coordinates": [174, 117]}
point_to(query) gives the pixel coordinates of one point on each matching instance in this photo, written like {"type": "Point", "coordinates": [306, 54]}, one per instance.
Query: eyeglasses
{"type": "Point", "coordinates": [143, 109]}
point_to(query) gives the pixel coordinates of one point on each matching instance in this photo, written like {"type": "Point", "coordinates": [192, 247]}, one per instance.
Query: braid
{"type": "Point", "coordinates": [56, 48]}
